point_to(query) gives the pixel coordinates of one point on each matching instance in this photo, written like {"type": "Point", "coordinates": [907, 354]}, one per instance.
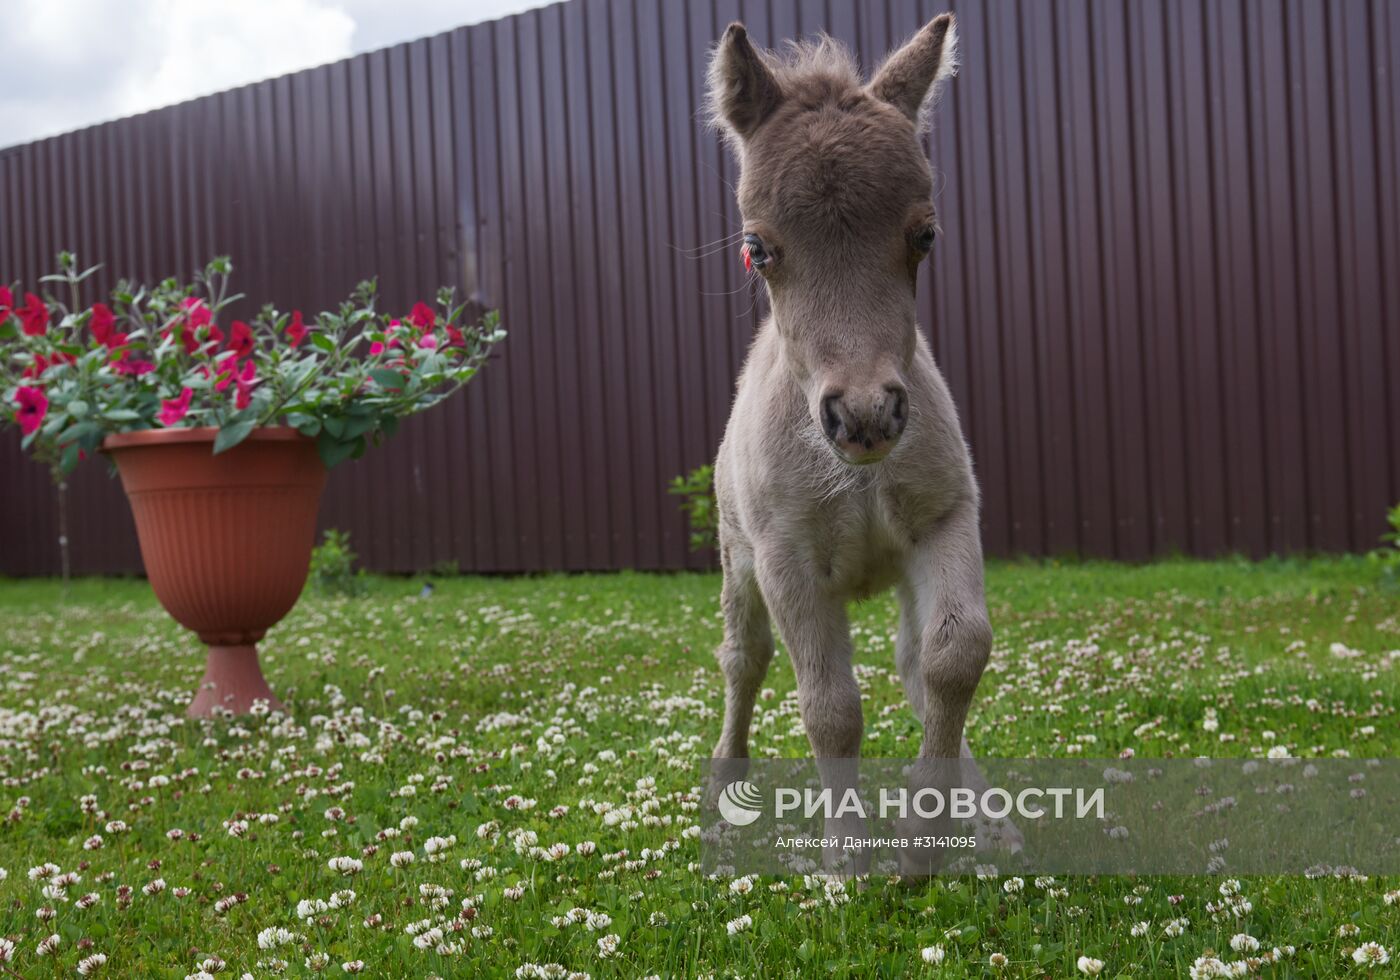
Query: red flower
{"type": "Point", "coordinates": [33, 406]}
{"type": "Point", "coordinates": [454, 336]}
{"type": "Point", "coordinates": [246, 379]}
{"type": "Point", "coordinates": [196, 313]}
{"type": "Point", "coordinates": [103, 326]}
{"type": "Point", "coordinates": [42, 364]}
{"type": "Point", "coordinates": [428, 342]}
{"type": "Point", "coordinates": [7, 302]}
{"type": "Point", "coordinates": [296, 329]}
{"type": "Point", "coordinates": [123, 364]}
{"type": "Point", "coordinates": [240, 339]}
{"type": "Point", "coordinates": [422, 316]}
{"type": "Point", "coordinates": [172, 410]}
{"type": "Point", "coordinates": [34, 316]}
{"type": "Point", "coordinates": [224, 369]}
{"type": "Point", "coordinates": [196, 316]}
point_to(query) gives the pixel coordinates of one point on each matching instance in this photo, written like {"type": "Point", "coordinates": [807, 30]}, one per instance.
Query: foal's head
{"type": "Point", "coordinates": [836, 197]}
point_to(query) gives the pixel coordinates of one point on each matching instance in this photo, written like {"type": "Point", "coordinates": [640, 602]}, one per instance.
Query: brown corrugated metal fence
{"type": "Point", "coordinates": [1167, 296]}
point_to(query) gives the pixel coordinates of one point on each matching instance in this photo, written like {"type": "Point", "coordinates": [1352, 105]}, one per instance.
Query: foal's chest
{"type": "Point", "coordinates": [869, 543]}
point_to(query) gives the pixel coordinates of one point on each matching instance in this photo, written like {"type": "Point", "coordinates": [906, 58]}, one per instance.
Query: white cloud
{"type": "Point", "coordinates": [88, 61]}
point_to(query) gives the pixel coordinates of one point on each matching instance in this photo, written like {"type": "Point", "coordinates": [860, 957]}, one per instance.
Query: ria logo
{"type": "Point", "coordinates": [740, 803]}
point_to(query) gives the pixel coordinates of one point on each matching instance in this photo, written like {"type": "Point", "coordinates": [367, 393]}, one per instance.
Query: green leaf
{"type": "Point", "coordinates": [121, 415]}
{"type": "Point", "coordinates": [233, 433]}
{"type": "Point", "coordinates": [70, 457]}
{"type": "Point", "coordinates": [79, 430]}
{"type": "Point", "coordinates": [358, 426]}
{"type": "Point", "coordinates": [387, 378]}
{"type": "Point", "coordinates": [332, 450]}
{"type": "Point", "coordinates": [78, 408]}
{"type": "Point", "coordinates": [323, 342]}
{"type": "Point", "coordinates": [335, 428]}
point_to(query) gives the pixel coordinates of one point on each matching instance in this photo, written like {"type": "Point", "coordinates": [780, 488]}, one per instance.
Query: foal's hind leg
{"type": "Point", "coordinates": [745, 653]}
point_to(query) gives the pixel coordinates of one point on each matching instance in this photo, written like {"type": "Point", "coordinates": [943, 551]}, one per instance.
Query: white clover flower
{"type": "Point", "coordinates": [741, 886]}
{"type": "Point", "coordinates": [401, 859]}
{"type": "Point", "coordinates": [346, 865]}
{"type": "Point", "coordinates": [317, 962]}
{"type": "Point", "coordinates": [353, 966]}
{"type": "Point", "coordinates": [1140, 929]}
{"type": "Point", "coordinates": [89, 965]}
{"type": "Point", "coordinates": [1089, 966]}
{"type": "Point", "coordinates": [1013, 885]}
{"type": "Point", "coordinates": [1243, 942]}
{"type": "Point", "coordinates": [1208, 967]}
{"type": "Point", "coordinates": [274, 936]}
{"type": "Point", "coordinates": [117, 827]}
{"type": "Point", "coordinates": [212, 964]}
{"type": "Point", "coordinates": [1348, 929]}
{"type": "Point", "coordinates": [607, 945]}
{"type": "Point", "coordinates": [7, 950]}
{"type": "Point", "coordinates": [997, 961]}
{"type": "Point", "coordinates": [49, 946]}
{"type": "Point", "coordinates": [93, 843]}
{"type": "Point", "coordinates": [598, 921]}
{"type": "Point", "coordinates": [736, 926]}
{"type": "Point", "coordinates": [43, 872]}
{"type": "Point", "coordinates": [1371, 954]}
{"type": "Point", "coordinates": [154, 887]}
{"type": "Point", "coordinates": [933, 955]}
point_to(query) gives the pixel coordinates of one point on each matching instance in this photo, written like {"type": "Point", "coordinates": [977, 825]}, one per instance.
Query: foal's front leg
{"type": "Point", "coordinates": [813, 625]}
{"type": "Point", "coordinates": [945, 640]}
{"type": "Point", "coordinates": [952, 638]}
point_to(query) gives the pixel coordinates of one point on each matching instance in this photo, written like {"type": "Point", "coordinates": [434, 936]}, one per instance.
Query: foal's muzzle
{"type": "Point", "coordinates": [864, 426]}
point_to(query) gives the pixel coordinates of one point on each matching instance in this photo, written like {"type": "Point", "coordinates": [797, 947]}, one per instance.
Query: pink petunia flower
{"type": "Point", "coordinates": [422, 316]}
{"type": "Point", "coordinates": [102, 324]}
{"type": "Point", "coordinates": [7, 302]}
{"type": "Point", "coordinates": [296, 329]}
{"type": "Point", "coordinates": [246, 379]}
{"type": "Point", "coordinates": [33, 316]}
{"type": "Point", "coordinates": [123, 364]}
{"type": "Point", "coordinates": [173, 410]}
{"type": "Point", "coordinates": [240, 339]}
{"type": "Point", "coordinates": [33, 406]}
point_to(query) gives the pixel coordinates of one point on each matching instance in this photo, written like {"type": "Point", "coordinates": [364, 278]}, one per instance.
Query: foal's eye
{"type": "Point", "coordinates": [755, 256]}
{"type": "Point", "coordinates": [923, 239]}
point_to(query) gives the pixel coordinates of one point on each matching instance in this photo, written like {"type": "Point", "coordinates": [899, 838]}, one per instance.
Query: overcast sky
{"type": "Point", "coordinates": [72, 63]}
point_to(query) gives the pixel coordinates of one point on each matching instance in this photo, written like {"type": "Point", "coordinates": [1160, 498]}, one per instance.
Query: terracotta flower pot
{"type": "Point", "coordinates": [226, 540]}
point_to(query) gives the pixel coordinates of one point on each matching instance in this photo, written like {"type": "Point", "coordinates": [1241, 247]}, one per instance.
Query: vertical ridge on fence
{"type": "Point", "coordinates": [1163, 295]}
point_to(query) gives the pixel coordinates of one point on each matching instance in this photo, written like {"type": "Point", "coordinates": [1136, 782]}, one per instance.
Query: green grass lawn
{"type": "Point", "coordinates": [476, 727]}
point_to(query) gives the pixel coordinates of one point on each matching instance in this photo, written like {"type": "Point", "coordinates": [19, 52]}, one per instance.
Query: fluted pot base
{"type": "Point", "coordinates": [226, 540]}
{"type": "Point", "coordinates": [233, 680]}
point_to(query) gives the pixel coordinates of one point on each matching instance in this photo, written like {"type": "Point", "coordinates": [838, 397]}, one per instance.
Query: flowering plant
{"type": "Point", "coordinates": [161, 357]}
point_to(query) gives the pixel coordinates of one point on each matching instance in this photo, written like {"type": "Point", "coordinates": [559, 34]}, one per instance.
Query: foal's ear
{"type": "Point", "coordinates": [743, 91]}
{"type": "Point", "coordinates": [912, 77]}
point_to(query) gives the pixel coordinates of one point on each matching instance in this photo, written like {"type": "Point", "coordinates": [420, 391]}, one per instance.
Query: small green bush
{"type": "Point", "coordinates": [333, 566]}
{"type": "Point", "coordinates": [697, 492]}
{"type": "Point", "coordinates": [1388, 556]}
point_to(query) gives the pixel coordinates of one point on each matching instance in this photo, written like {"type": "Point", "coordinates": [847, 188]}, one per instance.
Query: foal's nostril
{"type": "Point", "coordinates": [831, 416]}
{"type": "Point", "coordinates": [899, 411]}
